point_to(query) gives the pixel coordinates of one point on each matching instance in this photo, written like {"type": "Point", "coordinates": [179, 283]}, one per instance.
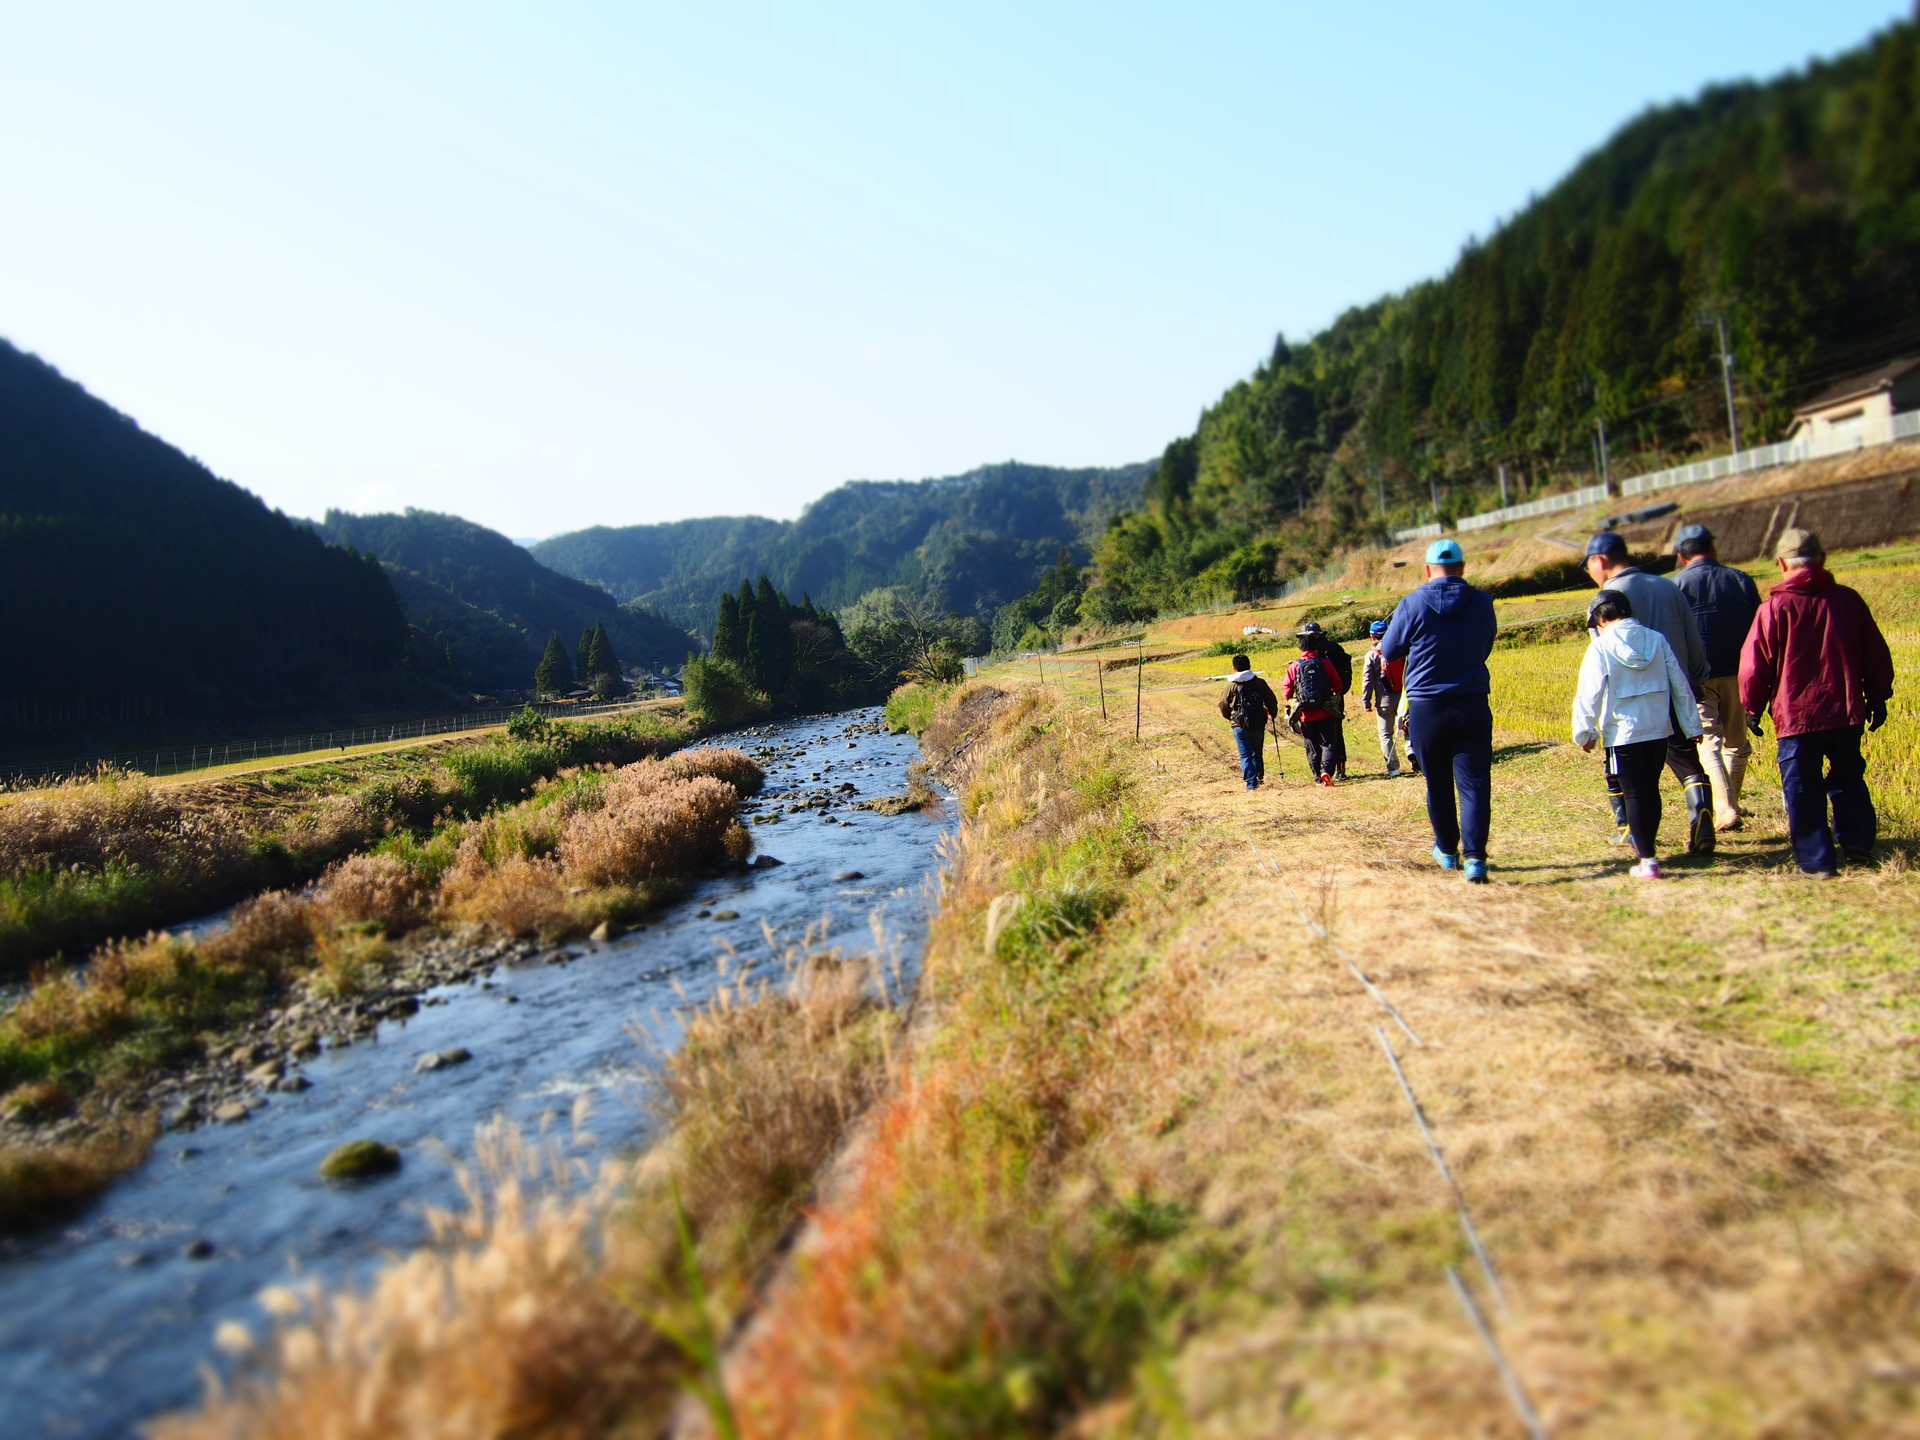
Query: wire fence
{"type": "Point", "coordinates": [180, 759]}
{"type": "Point", "coordinates": [1842, 439]}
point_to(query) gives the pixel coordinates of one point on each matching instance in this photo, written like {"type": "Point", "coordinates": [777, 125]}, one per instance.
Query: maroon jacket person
{"type": "Point", "coordinates": [1816, 661]}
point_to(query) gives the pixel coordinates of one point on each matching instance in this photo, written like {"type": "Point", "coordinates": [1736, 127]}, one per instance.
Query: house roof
{"type": "Point", "coordinates": [1853, 387]}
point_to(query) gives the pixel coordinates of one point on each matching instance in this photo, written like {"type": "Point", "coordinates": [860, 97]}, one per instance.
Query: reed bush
{"type": "Point", "coordinates": [41, 1181]}
{"type": "Point", "coordinates": [380, 890]}
{"type": "Point", "coordinates": [649, 826]}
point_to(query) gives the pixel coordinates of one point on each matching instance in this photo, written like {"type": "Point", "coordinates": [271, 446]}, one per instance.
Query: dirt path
{"type": "Point", "coordinates": [1667, 1108]}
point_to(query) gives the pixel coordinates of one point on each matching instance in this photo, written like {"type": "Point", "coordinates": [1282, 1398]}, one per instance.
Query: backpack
{"type": "Point", "coordinates": [1246, 711]}
{"type": "Point", "coordinates": [1311, 691]}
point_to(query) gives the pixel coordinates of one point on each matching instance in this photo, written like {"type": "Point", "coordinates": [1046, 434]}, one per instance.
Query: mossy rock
{"type": "Point", "coordinates": [360, 1160]}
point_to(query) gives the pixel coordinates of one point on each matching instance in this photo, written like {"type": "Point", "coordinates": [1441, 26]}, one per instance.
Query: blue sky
{"type": "Point", "coordinates": [559, 265]}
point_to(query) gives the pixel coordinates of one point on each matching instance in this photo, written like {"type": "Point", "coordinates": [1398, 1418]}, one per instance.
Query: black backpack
{"type": "Point", "coordinates": [1311, 689]}
{"type": "Point", "coordinates": [1246, 710]}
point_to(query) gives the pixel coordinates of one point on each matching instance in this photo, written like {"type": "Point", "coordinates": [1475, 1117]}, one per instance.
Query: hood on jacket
{"type": "Point", "coordinates": [1445, 595]}
{"type": "Point", "coordinates": [1241, 677]}
{"type": "Point", "coordinates": [1631, 643]}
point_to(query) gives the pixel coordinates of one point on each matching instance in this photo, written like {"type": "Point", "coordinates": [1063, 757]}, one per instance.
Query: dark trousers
{"type": "Point", "coordinates": [1326, 751]}
{"type": "Point", "coordinates": [1808, 792]}
{"type": "Point", "coordinates": [1452, 737]}
{"type": "Point", "coordinates": [1251, 742]}
{"type": "Point", "coordinates": [1635, 770]}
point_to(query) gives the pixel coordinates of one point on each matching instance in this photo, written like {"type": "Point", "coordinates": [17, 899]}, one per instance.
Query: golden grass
{"type": "Point", "coordinates": [560, 1302]}
{"type": "Point", "coordinates": [41, 1181]}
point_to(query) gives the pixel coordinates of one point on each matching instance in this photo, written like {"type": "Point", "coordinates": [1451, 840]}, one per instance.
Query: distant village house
{"type": "Point", "coordinates": [1859, 400]}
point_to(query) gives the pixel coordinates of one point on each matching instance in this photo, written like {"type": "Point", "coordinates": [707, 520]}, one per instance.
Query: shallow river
{"type": "Point", "coordinates": [105, 1324]}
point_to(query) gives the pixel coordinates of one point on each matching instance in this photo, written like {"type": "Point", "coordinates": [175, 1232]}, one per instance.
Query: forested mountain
{"type": "Point", "coordinates": [967, 543]}
{"type": "Point", "coordinates": [490, 603]}
{"type": "Point", "coordinates": [1789, 209]}
{"type": "Point", "coordinates": [139, 589]}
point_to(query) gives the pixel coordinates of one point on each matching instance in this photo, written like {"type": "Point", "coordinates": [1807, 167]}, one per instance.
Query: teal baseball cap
{"type": "Point", "coordinates": [1446, 552]}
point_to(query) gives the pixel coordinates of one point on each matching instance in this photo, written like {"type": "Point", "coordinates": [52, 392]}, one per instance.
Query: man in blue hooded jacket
{"type": "Point", "coordinates": [1444, 630]}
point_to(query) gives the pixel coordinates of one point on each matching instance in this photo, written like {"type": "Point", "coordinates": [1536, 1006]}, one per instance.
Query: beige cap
{"type": "Point", "coordinates": [1796, 544]}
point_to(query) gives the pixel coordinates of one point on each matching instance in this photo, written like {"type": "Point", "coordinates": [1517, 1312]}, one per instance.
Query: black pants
{"type": "Point", "coordinates": [1633, 772]}
{"type": "Point", "coordinates": [1452, 737]}
{"type": "Point", "coordinates": [1326, 751]}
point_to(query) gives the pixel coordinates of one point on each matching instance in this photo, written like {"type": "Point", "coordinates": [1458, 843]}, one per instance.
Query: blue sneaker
{"type": "Point", "coordinates": [1444, 860]}
{"type": "Point", "coordinates": [1476, 872]}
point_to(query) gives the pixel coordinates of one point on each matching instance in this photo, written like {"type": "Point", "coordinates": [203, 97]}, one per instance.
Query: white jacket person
{"type": "Point", "coordinates": [1631, 688]}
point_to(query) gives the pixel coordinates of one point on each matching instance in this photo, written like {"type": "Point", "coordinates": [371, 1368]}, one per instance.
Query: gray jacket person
{"type": "Point", "coordinates": [1658, 604]}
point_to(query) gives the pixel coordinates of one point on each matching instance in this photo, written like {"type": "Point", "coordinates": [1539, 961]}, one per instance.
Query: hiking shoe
{"type": "Point", "coordinates": [1444, 860]}
{"type": "Point", "coordinates": [1393, 774]}
{"type": "Point", "coordinates": [1327, 780]}
{"type": "Point", "coordinates": [1647, 869]}
{"type": "Point", "coordinates": [1476, 872]}
{"type": "Point", "coordinates": [1860, 857]}
{"type": "Point", "coordinates": [1821, 874]}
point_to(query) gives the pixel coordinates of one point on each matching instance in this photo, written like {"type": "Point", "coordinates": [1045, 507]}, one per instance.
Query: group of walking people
{"type": "Point", "coordinates": [1678, 675]}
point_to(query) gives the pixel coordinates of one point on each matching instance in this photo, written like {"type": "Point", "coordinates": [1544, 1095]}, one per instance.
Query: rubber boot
{"type": "Point", "coordinates": [1736, 779]}
{"type": "Point", "coordinates": [1700, 833]}
{"type": "Point", "coordinates": [1619, 803]}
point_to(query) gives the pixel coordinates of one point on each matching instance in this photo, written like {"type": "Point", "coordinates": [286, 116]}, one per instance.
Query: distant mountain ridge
{"type": "Point", "coordinates": [967, 543]}
{"type": "Point", "coordinates": [141, 590]}
{"type": "Point", "coordinates": [488, 604]}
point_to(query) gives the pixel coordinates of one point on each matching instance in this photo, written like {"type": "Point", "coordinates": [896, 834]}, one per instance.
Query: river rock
{"type": "Point", "coordinates": [292, 1084]}
{"type": "Point", "coordinates": [607, 930]}
{"type": "Point", "coordinates": [766, 862]}
{"type": "Point", "coordinates": [443, 1059]}
{"type": "Point", "coordinates": [400, 1008]}
{"type": "Point", "coordinates": [264, 1075]}
{"type": "Point", "coordinates": [851, 875]}
{"type": "Point", "coordinates": [360, 1160]}
{"type": "Point", "coordinates": [305, 1048]}
{"type": "Point", "coordinates": [232, 1113]}
{"type": "Point", "coordinates": [199, 1250]}
{"type": "Point", "coordinates": [726, 914]}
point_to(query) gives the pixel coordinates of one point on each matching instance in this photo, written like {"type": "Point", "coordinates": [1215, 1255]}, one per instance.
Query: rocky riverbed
{"type": "Point", "coordinates": [102, 1324]}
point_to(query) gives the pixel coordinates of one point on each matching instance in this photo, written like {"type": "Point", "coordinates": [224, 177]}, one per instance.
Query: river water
{"type": "Point", "coordinates": [106, 1323]}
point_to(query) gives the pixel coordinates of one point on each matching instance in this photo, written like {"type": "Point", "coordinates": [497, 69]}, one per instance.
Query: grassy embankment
{"type": "Point", "coordinates": [1144, 1169]}
{"type": "Point", "coordinates": [591, 842]}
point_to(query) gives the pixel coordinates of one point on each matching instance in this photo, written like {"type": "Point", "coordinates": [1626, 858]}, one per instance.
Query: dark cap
{"type": "Point", "coordinates": [1692, 538]}
{"type": "Point", "coordinates": [1607, 543]}
{"type": "Point", "coordinates": [1310, 631]}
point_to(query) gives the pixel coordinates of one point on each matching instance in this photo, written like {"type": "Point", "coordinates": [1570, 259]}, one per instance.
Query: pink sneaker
{"type": "Point", "coordinates": [1647, 870]}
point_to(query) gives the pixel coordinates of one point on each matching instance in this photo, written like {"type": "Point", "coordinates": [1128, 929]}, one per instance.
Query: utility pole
{"type": "Point", "coordinates": [1726, 381]}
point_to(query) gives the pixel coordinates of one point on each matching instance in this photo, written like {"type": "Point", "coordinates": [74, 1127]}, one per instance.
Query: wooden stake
{"type": "Point", "coordinates": [1140, 656]}
{"type": "Point", "coordinates": [1100, 676]}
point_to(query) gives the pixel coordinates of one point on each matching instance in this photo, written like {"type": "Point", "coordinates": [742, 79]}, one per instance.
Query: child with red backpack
{"type": "Point", "coordinates": [1312, 687]}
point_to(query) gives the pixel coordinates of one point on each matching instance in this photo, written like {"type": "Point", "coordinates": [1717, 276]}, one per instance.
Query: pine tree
{"type": "Point", "coordinates": [555, 673]}
{"type": "Point", "coordinates": [729, 631]}
{"type": "Point", "coordinates": [584, 656]}
{"type": "Point", "coordinates": [775, 619]}
{"type": "Point", "coordinates": [754, 652]}
{"type": "Point", "coordinates": [608, 662]}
